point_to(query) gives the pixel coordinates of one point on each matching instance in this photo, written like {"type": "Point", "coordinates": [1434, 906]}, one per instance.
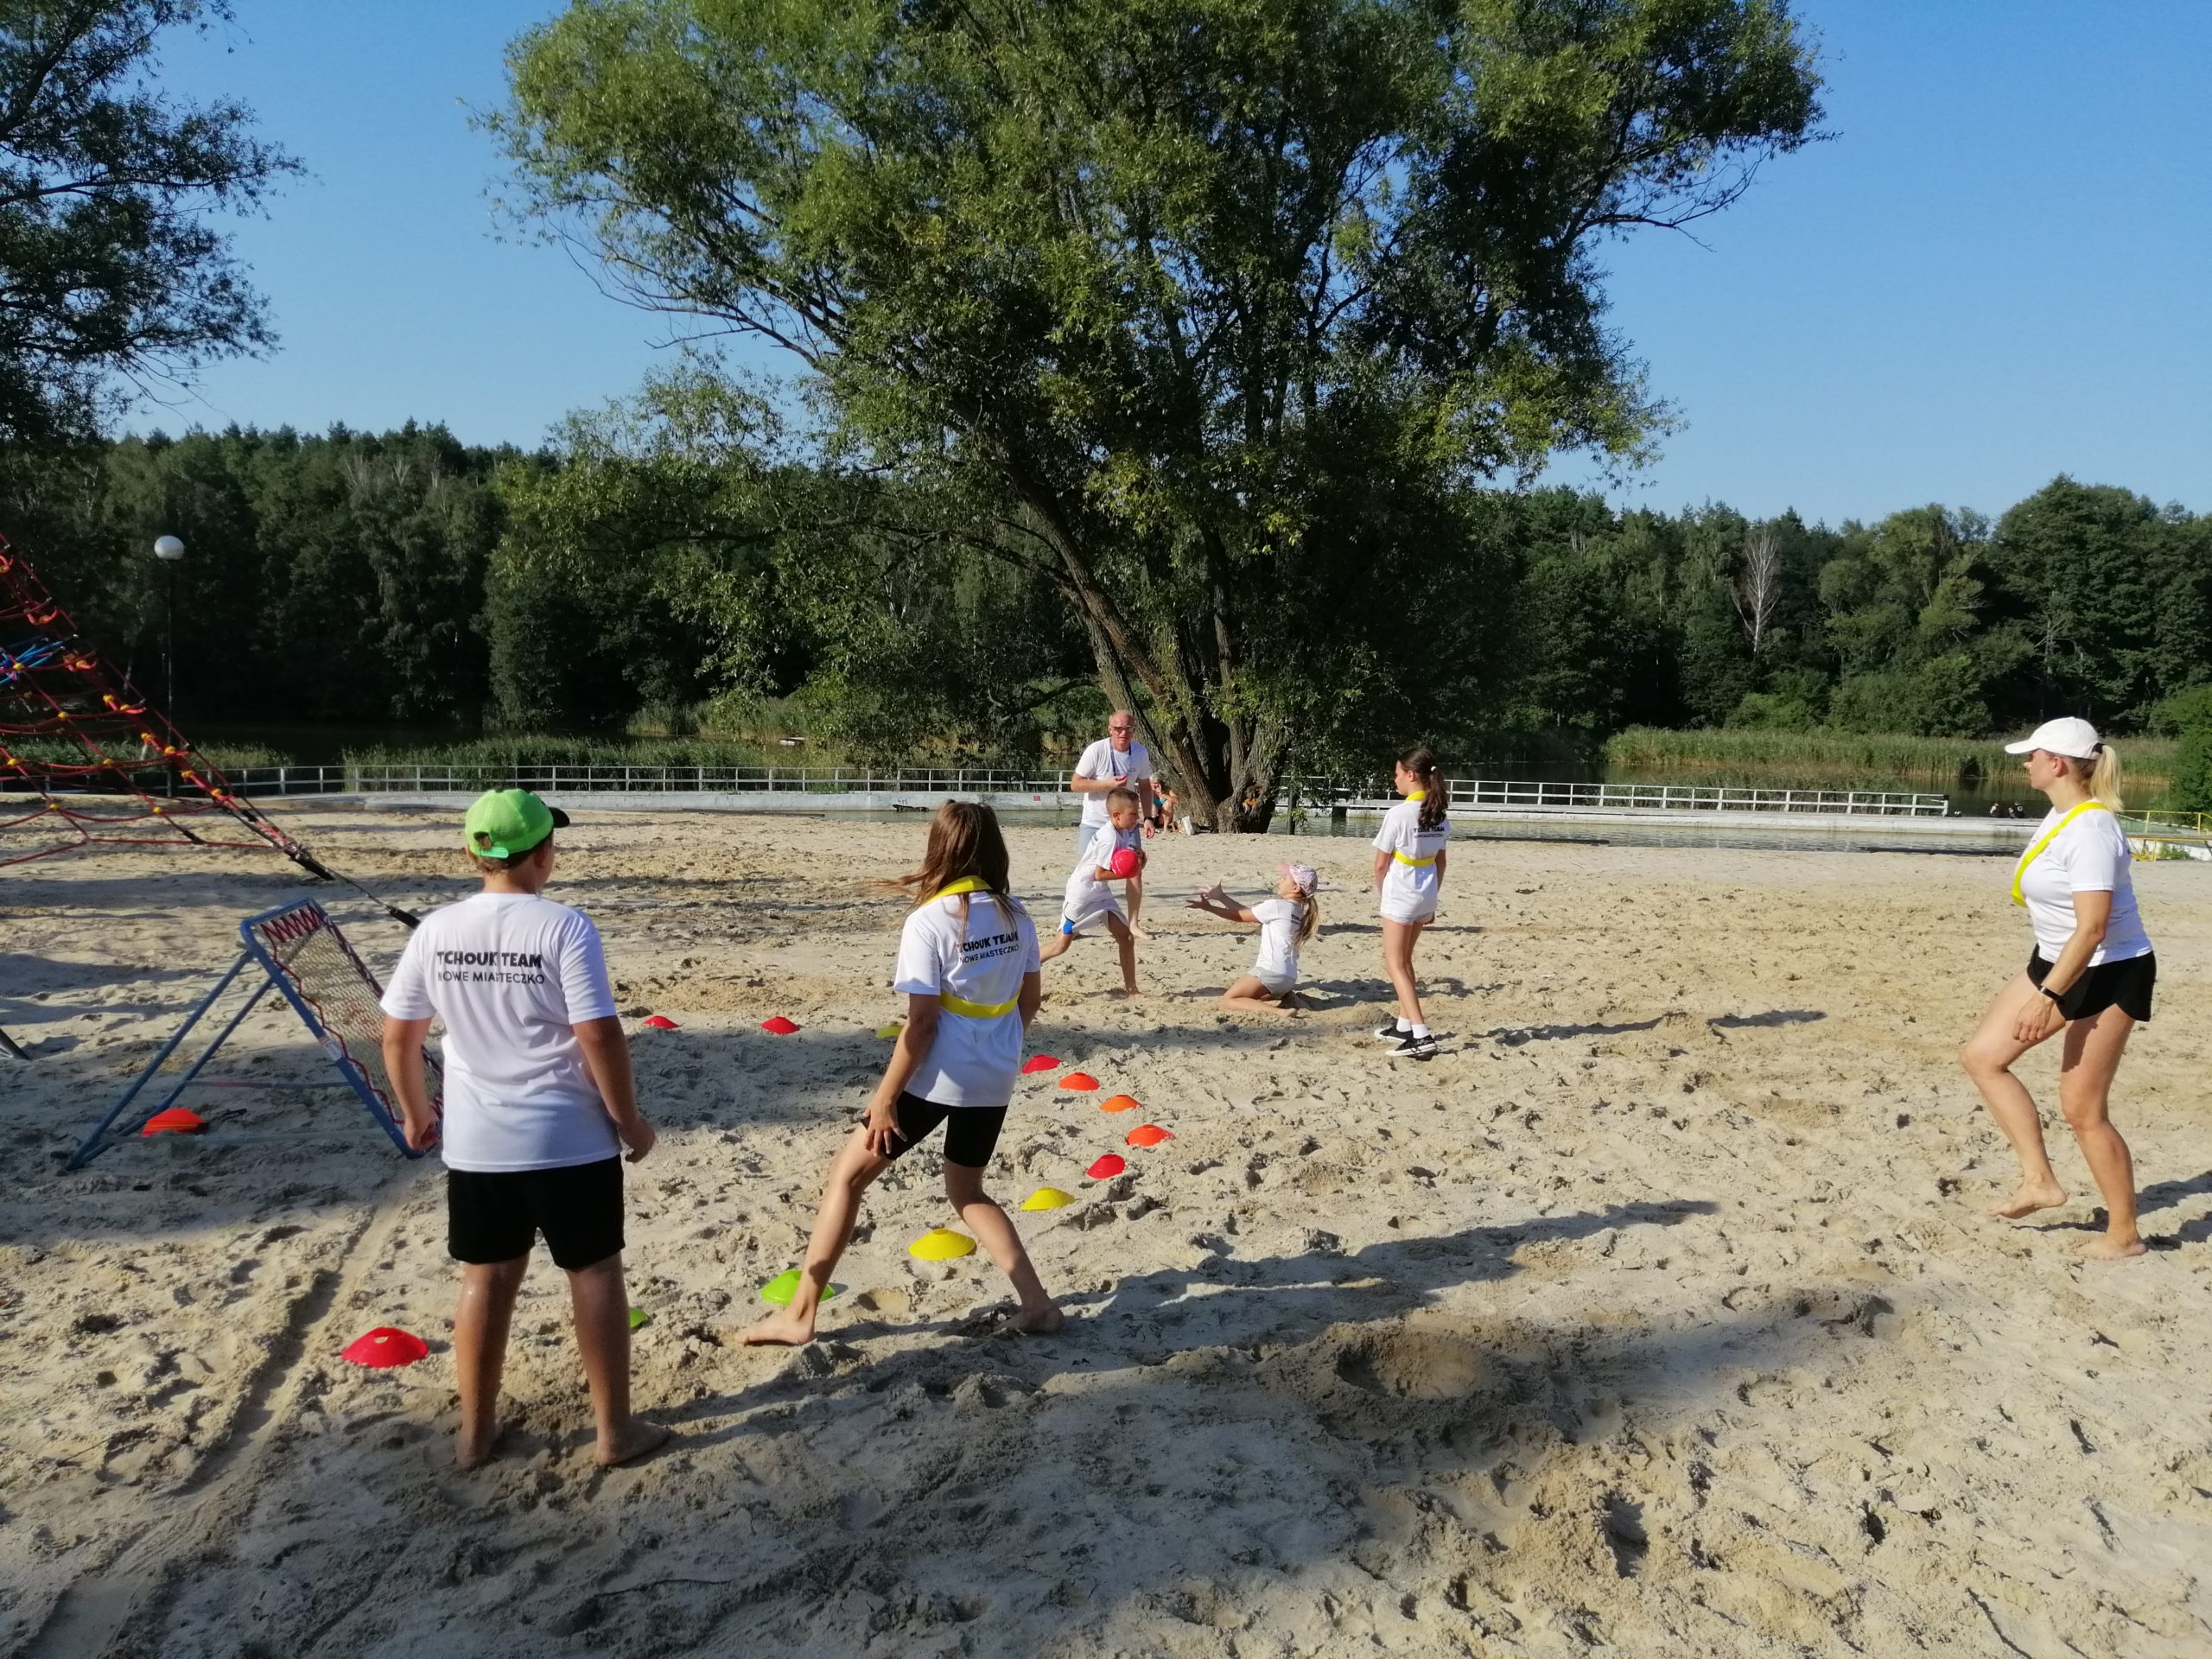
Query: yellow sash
{"type": "Point", "coordinates": [1417, 794]}
{"type": "Point", "coordinates": [961, 1004]}
{"type": "Point", "coordinates": [1418, 863]}
{"type": "Point", "coordinates": [2043, 840]}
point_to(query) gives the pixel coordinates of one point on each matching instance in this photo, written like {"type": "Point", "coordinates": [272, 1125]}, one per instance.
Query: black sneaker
{"type": "Point", "coordinates": [1394, 1032]}
{"type": "Point", "coordinates": [1417, 1048]}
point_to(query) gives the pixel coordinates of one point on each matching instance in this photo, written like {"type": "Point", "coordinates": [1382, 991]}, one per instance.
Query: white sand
{"type": "Point", "coordinates": [1658, 1316]}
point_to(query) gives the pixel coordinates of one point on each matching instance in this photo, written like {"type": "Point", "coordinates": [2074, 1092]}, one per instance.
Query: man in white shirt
{"type": "Point", "coordinates": [539, 1105]}
{"type": "Point", "coordinates": [1118, 760]}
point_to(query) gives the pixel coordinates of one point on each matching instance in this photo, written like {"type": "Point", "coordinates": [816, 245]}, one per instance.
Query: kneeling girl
{"type": "Point", "coordinates": [1287, 922]}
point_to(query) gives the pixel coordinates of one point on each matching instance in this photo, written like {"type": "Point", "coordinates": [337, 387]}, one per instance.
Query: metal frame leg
{"type": "Point", "coordinates": [98, 1141]}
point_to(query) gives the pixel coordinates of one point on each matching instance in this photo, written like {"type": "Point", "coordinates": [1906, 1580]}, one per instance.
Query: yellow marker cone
{"type": "Point", "coordinates": [890, 1032]}
{"type": "Point", "coordinates": [940, 1244]}
{"type": "Point", "coordinates": [1047, 1198]}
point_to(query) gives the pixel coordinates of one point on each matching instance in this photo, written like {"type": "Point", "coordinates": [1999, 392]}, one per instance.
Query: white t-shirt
{"type": "Point", "coordinates": [1103, 760]}
{"type": "Point", "coordinates": [510, 973]}
{"type": "Point", "coordinates": [972, 1061]}
{"type": "Point", "coordinates": [2088, 855]}
{"type": "Point", "coordinates": [1277, 967]}
{"type": "Point", "coordinates": [1088, 898]}
{"type": "Point", "coordinates": [1409, 890]}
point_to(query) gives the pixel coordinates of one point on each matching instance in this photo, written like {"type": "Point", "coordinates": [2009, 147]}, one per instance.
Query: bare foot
{"type": "Point", "coordinates": [1128, 993]}
{"type": "Point", "coordinates": [2032, 1197]}
{"type": "Point", "coordinates": [1136, 933]}
{"type": "Point", "coordinates": [638, 1437]}
{"type": "Point", "coordinates": [779, 1330]}
{"type": "Point", "coordinates": [1038, 1322]}
{"type": "Point", "coordinates": [2109, 1249]}
{"type": "Point", "coordinates": [474, 1451]}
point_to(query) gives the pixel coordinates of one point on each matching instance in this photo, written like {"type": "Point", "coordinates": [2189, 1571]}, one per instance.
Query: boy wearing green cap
{"type": "Point", "coordinates": [539, 1105]}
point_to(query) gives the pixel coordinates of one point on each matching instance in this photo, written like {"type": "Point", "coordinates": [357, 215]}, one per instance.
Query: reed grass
{"type": "Point", "coordinates": [1829, 760]}
{"type": "Point", "coordinates": [516, 753]}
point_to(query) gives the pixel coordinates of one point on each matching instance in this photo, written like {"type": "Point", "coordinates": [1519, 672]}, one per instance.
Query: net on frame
{"type": "Point", "coordinates": [320, 974]}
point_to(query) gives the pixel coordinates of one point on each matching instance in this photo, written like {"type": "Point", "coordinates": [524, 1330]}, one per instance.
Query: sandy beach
{"type": "Point", "coordinates": [1659, 1315]}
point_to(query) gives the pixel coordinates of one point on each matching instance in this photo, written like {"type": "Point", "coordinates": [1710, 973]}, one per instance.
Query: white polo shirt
{"type": "Point", "coordinates": [1103, 760]}
{"type": "Point", "coordinates": [1279, 918]}
{"type": "Point", "coordinates": [1409, 889]}
{"type": "Point", "coordinates": [974, 1060]}
{"type": "Point", "coordinates": [510, 973]}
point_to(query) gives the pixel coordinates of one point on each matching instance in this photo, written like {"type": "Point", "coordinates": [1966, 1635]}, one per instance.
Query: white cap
{"type": "Point", "coordinates": [2069, 735]}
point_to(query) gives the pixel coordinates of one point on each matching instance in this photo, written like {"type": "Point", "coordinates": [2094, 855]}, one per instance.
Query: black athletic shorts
{"type": "Point", "coordinates": [2125, 985]}
{"type": "Point", "coordinates": [971, 1133]}
{"type": "Point", "coordinates": [496, 1215]}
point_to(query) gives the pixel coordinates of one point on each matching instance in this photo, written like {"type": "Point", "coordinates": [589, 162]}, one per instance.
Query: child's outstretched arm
{"type": "Point", "coordinates": [1215, 902]}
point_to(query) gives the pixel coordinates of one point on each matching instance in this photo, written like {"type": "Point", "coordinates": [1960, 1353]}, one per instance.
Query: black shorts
{"type": "Point", "coordinates": [971, 1133]}
{"type": "Point", "coordinates": [496, 1215]}
{"type": "Point", "coordinates": [2125, 985]}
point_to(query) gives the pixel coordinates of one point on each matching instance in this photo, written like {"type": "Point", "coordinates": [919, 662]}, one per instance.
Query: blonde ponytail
{"type": "Point", "coordinates": [2104, 777]}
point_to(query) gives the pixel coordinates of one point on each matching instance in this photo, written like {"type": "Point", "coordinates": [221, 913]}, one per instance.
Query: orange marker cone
{"type": "Point", "coordinates": [1149, 1134]}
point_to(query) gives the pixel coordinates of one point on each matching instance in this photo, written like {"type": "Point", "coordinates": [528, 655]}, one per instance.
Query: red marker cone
{"type": "Point", "coordinates": [1079, 1080]}
{"type": "Point", "coordinates": [779, 1025]}
{"type": "Point", "coordinates": [660, 1022]}
{"type": "Point", "coordinates": [176, 1121]}
{"type": "Point", "coordinates": [1111, 1165]}
{"type": "Point", "coordinates": [1039, 1063]}
{"type": "Point", "coordinates": [384, 1347]}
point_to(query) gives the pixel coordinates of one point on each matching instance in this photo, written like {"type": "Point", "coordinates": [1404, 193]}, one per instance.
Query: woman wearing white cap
{"type": "Point", "coordinates": [2091, 972]}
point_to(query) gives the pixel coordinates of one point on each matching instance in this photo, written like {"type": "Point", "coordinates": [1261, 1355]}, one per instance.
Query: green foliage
{"type": "Point", "coordinates": [1210, 314]}
{"type": "Point", "coordinates": [112, 282]}
{"type": "Point", "coordinates": [1828, 759]}
{"type": "Point", "coordinates": [2190, 790]}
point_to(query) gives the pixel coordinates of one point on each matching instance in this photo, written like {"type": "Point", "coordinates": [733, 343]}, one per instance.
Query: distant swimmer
{"type": "Point", "coordinates": [2091, 974]}
{"type": "Point", "coordinates": [1409, 875]}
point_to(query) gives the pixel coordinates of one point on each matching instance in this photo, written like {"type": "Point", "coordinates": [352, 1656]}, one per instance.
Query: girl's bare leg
{"type": "Point", "coordinates": [2085, 1072]}
{"type": "Point", "coordinates": [1057, 945]}
{"type": "Point", "coordinates": [1040, 1315]}
{"type": "Point", "coordinates": [1247, 996]}
{"type": "Point", "coordinates": [1398, 940]}
{"type": "Point", "coordinates": [1987, 1058]}
{"type": "Point", "coordinates": [851, 1173]}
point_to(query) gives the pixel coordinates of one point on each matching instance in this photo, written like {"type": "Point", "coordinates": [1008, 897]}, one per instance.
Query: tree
{"type": "Point", "coordinates": [110, 283]}
{"type": "Point", "coordinates": [1755, 586]}
{"type": "Point", "coordinates": [1215, 308]}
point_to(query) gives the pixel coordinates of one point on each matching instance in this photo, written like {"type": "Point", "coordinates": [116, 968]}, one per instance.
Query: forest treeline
{"type": "Point", "coordinates": [635, 572]}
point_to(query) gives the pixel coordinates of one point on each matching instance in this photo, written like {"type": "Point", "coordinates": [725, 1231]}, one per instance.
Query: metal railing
{"type": "Point", "coordinates": [1471, 795]}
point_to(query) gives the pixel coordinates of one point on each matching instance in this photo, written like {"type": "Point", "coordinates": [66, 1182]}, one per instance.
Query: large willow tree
{"type": "Point", "coordinates": [1213, 310]}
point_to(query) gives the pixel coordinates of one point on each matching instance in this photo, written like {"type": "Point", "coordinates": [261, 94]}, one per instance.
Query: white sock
{"type": "Point", "coordinates": [1418, 1032]}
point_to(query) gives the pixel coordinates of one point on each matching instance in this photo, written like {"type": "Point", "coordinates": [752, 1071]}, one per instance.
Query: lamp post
{"type": "Point", "coordinates": [170, 551]}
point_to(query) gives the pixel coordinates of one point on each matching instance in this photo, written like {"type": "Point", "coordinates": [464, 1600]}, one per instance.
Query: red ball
{"type": "Point", "coordinates": [1125, 861]}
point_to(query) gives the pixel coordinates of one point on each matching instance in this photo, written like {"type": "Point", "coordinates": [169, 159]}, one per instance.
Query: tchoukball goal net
{"type": "Point", "coordinates": [299, 953]}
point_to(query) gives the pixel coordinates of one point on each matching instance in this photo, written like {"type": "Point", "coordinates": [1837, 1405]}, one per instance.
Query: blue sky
{"type": "Point", "coordinates": [1997, 270]}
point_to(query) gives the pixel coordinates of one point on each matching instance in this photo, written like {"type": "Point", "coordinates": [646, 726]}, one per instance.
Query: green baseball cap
{"type": "Point", "coordinates": [505, 823]}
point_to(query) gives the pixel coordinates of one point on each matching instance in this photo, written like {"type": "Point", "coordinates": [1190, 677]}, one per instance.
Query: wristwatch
{"type": "Point", "coordinates": [2057, 996]}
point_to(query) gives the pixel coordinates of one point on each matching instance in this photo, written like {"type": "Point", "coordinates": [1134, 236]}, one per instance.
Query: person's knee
{"type": "Point", "coordinates": [608, 1267]}
{"type": "Point", "coordinates": [2084, 1107]}
{"type": "Point", "coordinates": [1980, 1061]}
{"type": "Point", "coordinates": [964, 1186]}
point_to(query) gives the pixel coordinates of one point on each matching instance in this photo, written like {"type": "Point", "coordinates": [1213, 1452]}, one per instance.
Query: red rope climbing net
{"type": "Point", "coordinates": [83, 757]}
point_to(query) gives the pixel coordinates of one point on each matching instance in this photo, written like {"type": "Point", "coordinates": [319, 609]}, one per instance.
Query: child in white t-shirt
{"type": "Point", "coordinates": [539, 1105]}
{"type": "Point", "coordinates": [1409, 861]}
{"type": "Point", "coordinates": [1115, 853]}
{"type": "Point", "coordinates": [968, 964]}
{"type": "Point", "coordinates": [1286, 921]}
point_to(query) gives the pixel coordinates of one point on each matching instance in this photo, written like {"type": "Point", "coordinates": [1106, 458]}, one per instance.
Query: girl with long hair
{"type": "Point", "coordinates": [1286, 922]}
{"type": "Point", "coordinates": [968, 964]}
{"type": "Point", "coordinates": [2090, 975]}
{"type": "Point", "coordinates": [1409, 874]}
